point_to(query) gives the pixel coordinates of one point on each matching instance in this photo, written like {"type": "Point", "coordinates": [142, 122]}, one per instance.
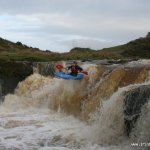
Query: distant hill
{"type": "Point", "coordinates": [20, 52]}
{"type": "Point", "coordinates": [9, 46]}
{"type": "Point", "coordinates": [139, 48]}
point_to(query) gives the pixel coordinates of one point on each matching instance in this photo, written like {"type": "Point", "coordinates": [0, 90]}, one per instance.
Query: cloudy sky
{"type": "Point", "coordinates": [60, 25]}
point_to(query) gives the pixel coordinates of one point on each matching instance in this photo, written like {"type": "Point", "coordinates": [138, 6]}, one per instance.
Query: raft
{"type": "Point", "coordinates": [66, 76]}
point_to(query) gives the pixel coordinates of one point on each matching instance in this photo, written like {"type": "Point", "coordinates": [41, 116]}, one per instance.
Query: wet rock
{"type": "Point", "coordinates": [11, 73]}
{"type": "Point", "coordinates": [45, 68]}
{"type": "Point", "coordinates": [133, 102]}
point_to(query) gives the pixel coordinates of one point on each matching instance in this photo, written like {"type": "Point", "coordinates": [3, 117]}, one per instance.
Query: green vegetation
{"type": "Point", "coordinates": [139, 48]}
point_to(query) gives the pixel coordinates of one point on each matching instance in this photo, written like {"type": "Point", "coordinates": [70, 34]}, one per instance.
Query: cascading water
{"type": "Point", "coordinates": [47, 113]}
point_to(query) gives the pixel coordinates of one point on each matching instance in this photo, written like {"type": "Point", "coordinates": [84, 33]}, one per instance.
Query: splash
{"type": "Point", "coordinates": [79, 98]}
{"type": "Point", "coordinates": [110, 81]}
{"type": "Point", "coordinates": [108, 122]}
{"type": "Point", "coordinates": [51, 113]}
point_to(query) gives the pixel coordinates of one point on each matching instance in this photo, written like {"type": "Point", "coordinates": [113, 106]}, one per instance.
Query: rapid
{"type": "Point", "coordinates": [108, 110]}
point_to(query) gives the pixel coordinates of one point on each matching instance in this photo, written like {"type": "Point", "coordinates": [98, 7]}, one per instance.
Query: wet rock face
{"type": "Point", "coordinates": [11, 73]}
{"type": "Point", "coordinates": [134, 100]}
{"type": "Point", "coordinates": [45, 68]}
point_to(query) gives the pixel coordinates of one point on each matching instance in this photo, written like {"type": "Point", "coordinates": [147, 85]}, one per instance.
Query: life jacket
{"type": "Point", "coordinates": [74, 69]}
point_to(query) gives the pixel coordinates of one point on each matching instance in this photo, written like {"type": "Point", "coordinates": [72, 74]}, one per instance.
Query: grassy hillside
{"type": "Point", "coordinates": [20, 52]}
{"type": "Point", "coordinates": [139, 48]}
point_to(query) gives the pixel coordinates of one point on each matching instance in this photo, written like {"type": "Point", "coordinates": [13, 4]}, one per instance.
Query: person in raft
{"type": "Point", "coordinates": [74, 69]}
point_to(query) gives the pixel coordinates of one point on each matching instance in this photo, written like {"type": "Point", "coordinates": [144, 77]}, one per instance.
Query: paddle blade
{"type": "Point", "coordinates": [59, 66]}
{"type": "Point", "coordinates": [85, 72]}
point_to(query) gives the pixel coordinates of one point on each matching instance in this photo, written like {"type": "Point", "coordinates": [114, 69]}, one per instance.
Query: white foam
{"type": "Point", "coordinates": [140, 62]}
{"type": "Point", "coordinates": [27, 123]}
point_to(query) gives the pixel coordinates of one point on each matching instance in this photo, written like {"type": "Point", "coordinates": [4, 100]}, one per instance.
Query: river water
{"type": "Point", "coordinates": [48, 113]}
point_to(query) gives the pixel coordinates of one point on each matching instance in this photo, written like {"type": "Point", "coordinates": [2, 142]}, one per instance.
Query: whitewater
{"type": "Point", "coordinates": [47, 113]}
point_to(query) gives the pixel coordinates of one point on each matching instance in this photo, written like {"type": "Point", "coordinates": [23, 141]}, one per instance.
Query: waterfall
{"type": "Point", "coordinates": [108, 109]}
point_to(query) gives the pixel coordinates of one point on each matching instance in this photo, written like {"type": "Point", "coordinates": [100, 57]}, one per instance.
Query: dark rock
{"type": "Point", "coordinates": [11, 73]}
{"type": "Point", "coordinates": [133, 102]}
{"type": "Point", "coordinates": [45, 68]}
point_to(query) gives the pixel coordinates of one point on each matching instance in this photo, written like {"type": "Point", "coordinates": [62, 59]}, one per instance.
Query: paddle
{"type": "Point", "coordinates": [59, 66]}
{"type": "Point", "coordinates": [85, 72]}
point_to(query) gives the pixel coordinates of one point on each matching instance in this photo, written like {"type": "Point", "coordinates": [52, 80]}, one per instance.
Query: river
{"type": "Point", "coordinates": [47, 113]}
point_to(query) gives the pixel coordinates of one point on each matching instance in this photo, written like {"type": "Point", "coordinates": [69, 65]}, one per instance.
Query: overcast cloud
{"type": "Point", "coordinates": [60, 25]}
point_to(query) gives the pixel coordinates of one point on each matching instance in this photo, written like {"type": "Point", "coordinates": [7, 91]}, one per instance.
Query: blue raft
{"type": "Point", "coordinates": [68, 76]}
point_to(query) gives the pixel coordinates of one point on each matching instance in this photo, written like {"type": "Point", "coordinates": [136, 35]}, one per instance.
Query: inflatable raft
{"type": "Point", "coordinates": [68, 76]}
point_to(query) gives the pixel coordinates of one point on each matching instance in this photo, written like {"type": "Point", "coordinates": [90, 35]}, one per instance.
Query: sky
{"type": "Point", "coordinates": [60, 25]}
